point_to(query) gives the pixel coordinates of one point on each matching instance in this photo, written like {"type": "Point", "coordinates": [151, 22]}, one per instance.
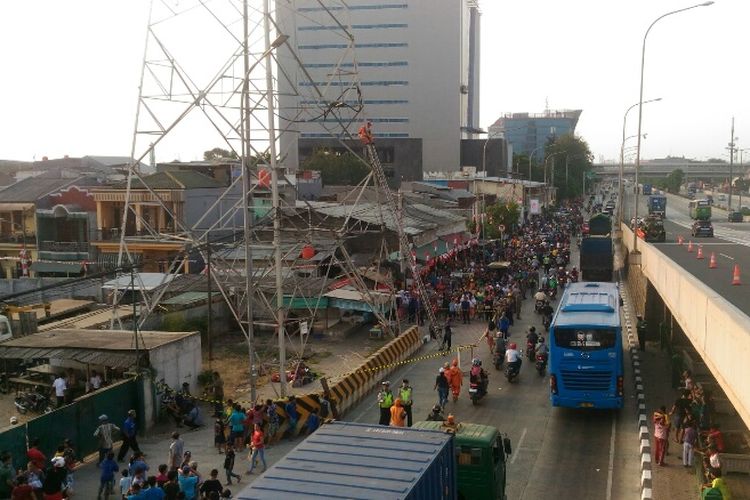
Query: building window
{"type": "Point", "coordinates": [360, 64]}
{"type": "Point", "coordinates": [367, 83]}
{"type": "Point", "coordinates": [386, 155]}
{"type": "Point", "coordinates": [384, 45]}
{"type": "Point", "coordinates": [322, 135]}
{"type": "Point", "coordinates": [354, 26]}
{"type": "Point", "coordinates": [355, 7]}
{"type": "Point", "coordinates": [364, 101]}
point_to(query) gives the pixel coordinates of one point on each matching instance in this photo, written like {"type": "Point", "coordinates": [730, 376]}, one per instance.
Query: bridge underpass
{"type": "Point", "coordinates": [712, 333]}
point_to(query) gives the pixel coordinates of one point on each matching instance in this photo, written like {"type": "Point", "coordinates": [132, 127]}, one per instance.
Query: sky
{"type": "Point", "coordinates": [71, 73]}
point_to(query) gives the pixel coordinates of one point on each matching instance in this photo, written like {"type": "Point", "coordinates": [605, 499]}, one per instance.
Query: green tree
{"type": "Point", "coordinates": [337, 168]}
{"type": "Point", "coordinates": [219, 154]}
{"type": "Point", "coordinates": [674, 180]}
{"type": "Point", "coordinates": [500, 213]}
{"type": "Point", "coordinates": [571, 162]}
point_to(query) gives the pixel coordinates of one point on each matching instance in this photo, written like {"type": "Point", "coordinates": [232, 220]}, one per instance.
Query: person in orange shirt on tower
{"type": "Point", "coordinates": [365, 133]}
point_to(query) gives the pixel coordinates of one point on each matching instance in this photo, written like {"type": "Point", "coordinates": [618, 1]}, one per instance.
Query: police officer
{"type": "Point", "coordinates": [385, 401]}
{"type": "Point", "coordinates": [405, 394]}
{"type": "Point", "coordinates": [640, 328]}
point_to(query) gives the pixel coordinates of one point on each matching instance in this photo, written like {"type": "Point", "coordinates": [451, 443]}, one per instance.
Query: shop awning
{"type": "Point", "coordinates": [56, 267]}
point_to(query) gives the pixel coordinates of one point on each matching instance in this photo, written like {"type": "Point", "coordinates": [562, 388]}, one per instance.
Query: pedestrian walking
{"type": "Point", "coordinates": [176, 451]}
{"type": "Point", "coordinates": [398, 414]}
{"type": "Point", "coordinates": [405, 394]}
{"type": "Point", "coordinates": [60, 386]}
{"type": "Point", "coordinates": [447, 334]}
{"type": "Point", "coordinates": [689, 438]}
{"type": "Point", "coordinates": [641, 327]}
{"type": "Point", "coordinates": [456, 379]}
{"type": "Point", "coordinates": [129, 440]}
{"type": "Point", "coordinates": [107, 478]}
{"type": "Point", "coordinates": [441, 386]}
{"type": "Point", "coordinates": [104, 434]}
{"type": "Point", "coordinates": [229, 458]}
{"type": "Point", "coordinates": [385, 401]}
{"type": "Point", "coordinates": [661, 434]}
{"type": "Point", "coordinates": [258, 443]}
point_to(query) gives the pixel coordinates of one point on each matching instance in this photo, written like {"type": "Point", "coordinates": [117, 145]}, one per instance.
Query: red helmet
{"type": "Point", "coordinates": [512, 345]}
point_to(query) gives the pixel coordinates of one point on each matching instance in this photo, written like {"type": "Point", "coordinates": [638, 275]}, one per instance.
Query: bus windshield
{"type": "Point", "coordinates": [585, 339]}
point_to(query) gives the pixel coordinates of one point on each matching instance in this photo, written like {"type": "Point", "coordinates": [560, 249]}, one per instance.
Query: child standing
{"type": "Point", "coordinates": [107, 478]}
{"type": "Point", "coordinates": [229, 464]}
{"type": "Point", "coordinates": [125, 483]}
{"type": "Point", "coordinates": [220, 438]}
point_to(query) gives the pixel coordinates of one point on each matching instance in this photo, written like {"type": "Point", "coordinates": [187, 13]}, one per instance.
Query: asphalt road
{"type": "Point", "coordinates": [731, 246]}
{"type": "Point", "coordinates": [556, 452]}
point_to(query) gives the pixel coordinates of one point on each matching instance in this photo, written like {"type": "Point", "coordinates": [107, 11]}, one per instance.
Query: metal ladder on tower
{"type": "Point", "coordinates": [374, 160]}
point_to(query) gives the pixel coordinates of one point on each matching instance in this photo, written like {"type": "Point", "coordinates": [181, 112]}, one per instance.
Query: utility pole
{"type": "Point", "coordinates": [209, 323]}
{"type": "Point", "coordinates": [135, 319]}
{"type": "Point", "coordinates": [731, 164]}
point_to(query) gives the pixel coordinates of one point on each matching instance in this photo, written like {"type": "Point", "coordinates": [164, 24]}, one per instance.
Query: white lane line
{"type": "Point", "coordinates": [518, 446]}
{"type": "Point", "coordinates": [726, 256]}
{"type": "Point", "coordinates": [611, 466]}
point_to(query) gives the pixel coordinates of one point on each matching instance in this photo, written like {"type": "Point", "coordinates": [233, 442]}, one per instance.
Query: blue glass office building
{"type": "Point", "coordinates": [526, 132]}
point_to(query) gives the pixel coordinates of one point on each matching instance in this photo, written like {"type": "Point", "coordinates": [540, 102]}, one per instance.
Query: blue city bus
{"type": "Point", "coordinates": [585, 347]}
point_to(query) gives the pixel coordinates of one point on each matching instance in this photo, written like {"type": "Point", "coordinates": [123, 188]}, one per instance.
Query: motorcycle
{"type": "Point", "coordinates": [530, 350]}
{"type": "Point", "coordinates": [552, 293]}
{"type": "Point", "coordinates": [546, 321]}
{"type": "Point", "coordinates": [32, 401]}
{"type": "Point", "coordinates": [511, 371]}
{"type": "Point", "coordinates": [541, 364]}
{"type": "Point", "coordinates": [498, 357]}
{"type": "Point", "coordinates": [477, 390]}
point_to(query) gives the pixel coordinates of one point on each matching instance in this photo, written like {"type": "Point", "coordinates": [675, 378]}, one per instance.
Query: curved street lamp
{"type": "Point", "coordinates": [640, 105]}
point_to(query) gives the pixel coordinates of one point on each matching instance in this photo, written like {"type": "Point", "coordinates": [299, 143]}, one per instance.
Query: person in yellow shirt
{"type": "Point", "coordinates": [717, 484]}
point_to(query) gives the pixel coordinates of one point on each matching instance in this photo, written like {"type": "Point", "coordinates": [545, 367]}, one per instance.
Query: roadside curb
{"type": "Point", "coordinates": [642, 423]}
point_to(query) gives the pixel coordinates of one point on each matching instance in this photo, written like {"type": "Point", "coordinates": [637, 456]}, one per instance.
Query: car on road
{"type": "Point", "coordinates": [735, 216]}
{"type": "Point", "coordinates": [703, 228]}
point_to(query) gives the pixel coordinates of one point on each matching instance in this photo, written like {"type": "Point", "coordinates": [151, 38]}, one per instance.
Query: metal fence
{"type": "Point", "coordinates": [76, 421]}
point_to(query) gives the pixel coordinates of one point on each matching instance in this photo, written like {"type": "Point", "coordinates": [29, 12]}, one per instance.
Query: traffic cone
{"type": "Point", "coordinates": [736, 275]}
{"type": "Point", "coordinates": [690, 246]}
{"type": "Point", "coordinates": [680, 239]}
{"type": "Point", "coordinates": [700, 252]}
{"type": "Point", "coordinates": [712, 261]}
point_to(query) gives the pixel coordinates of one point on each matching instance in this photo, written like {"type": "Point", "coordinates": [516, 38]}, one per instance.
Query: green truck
{"type": "Point", "coordinates": [481, 456]}
{"type": "Point", "coordinates": [700, 210]}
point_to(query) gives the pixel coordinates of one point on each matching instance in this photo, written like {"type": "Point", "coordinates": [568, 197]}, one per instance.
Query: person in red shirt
{"type": "Point", "coordinates": [22, 490]}
{"type": "Point", "coordinates": [257, 442]}
{"type": "Point", "coordinates": [35, 455]}
{"type": "Point", "coordinates": [715, 437]}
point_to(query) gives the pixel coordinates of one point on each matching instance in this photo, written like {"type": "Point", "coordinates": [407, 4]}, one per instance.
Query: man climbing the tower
{"type": "Point", "coordinates": [365, 133]}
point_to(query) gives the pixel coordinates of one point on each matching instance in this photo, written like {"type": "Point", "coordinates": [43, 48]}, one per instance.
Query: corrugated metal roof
{"type": "Point", "coordinates": [187, 298]}
{"type": "Point", "coordinates": [175, 179]}
{"type": "Point", "coordinates": [417, 217]}
{"type": "Point", "coordinates": [143, 281]}
{"type": "Point", "coordinates": [33, 188]}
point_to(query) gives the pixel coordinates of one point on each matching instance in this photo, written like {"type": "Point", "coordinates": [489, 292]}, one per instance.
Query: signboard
{"type": "Point", "coordinates": [534, 206]}
{"type": "Point", "coordinates": [303, 328]}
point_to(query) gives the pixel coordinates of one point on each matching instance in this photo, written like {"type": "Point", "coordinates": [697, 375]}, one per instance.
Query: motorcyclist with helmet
{"type": "Point", "coordinates": [513, 357]}
{"type": "Point", "coordinates": [531, 340]}
{"type": "Point", "coordinates": [478, 376]}
{"type": "Point", "coordinates": [542, 347]}
{"type": "Point", "coordinates": [498, 354]}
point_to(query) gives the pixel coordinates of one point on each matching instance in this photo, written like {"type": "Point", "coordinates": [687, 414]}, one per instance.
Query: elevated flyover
{"type": "Point", "coordinates": [717, 329]}
{"type": "Point", "coordinates": [664, 168]}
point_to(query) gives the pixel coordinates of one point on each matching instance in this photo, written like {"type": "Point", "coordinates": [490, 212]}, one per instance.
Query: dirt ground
{"type": "Point", "coordinates": [328, 357]}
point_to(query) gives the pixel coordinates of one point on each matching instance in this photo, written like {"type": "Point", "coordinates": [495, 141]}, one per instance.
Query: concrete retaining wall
{"type": "Point", "coordinates": [719, 331]}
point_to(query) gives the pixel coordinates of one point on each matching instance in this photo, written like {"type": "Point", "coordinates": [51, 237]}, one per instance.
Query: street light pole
{"type": "Point", "coordinates": [731, 165]}
{"type": "Point", "coordinates": [622, 157]}
{"type": "Point", "coordinates": [531, 156]}
{"type": "Point", "coordinates": [640, 105]}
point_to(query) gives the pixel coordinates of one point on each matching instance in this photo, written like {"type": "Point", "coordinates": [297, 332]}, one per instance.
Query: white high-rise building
{"type": "Point", "coordinates": [417, 62]}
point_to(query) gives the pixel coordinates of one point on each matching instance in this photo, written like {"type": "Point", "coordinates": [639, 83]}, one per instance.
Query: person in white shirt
{"type": "Point", "coordinates": [60, 386]}
{"type": "Point", "coordinates": [513, 357]}
{"type": "Point", "coordinates": [95, 382]}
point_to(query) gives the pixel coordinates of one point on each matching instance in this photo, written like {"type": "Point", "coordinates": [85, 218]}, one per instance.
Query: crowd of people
{"type": "Point", "coordinates": [695, 431]}
{"type": "Point", "coordinates": [486, 283]}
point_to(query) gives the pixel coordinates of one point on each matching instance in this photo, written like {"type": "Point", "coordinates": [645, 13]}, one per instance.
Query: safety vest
{"type": "Point", "coordinates": [385, 399]}
{"type": "Point", "coordinates": [405, 394]}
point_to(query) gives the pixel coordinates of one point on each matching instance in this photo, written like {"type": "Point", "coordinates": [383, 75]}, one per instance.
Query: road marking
{"type": "Point", "coordinates": [727, 256]}
{"type": "Point", "coordinates": [518, 446]}
{"type": "Point", "coordinates": [611, 466]}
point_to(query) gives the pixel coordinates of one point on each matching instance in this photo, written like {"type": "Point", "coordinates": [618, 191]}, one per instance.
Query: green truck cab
{"type": "Point", "coordinates": [481, 455]}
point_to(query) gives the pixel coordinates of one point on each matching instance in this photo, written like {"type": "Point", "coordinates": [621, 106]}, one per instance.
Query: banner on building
{"type": "Point", "coordinates": [534, 206]}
